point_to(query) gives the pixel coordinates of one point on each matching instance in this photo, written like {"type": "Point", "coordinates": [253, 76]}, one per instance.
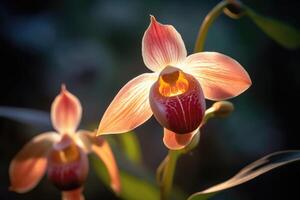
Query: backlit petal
{"type": "Point", "coordinates": [85, 140]}
{"type": "Point", "coordinates": [65, 112]}
{"type": "Point", "coordinates": [29, 165]}
{"type": "Point", "coordinates": [177, 141]}
{"type": "Point", "coordinates": [220, 76]}
{"type": "Point", "coordinates": [162, 45]}
{"type": "Point", "coordinates": [102, 149]}
{"type": "Point", "coordinates": [130, 108]}
{"type": "Point", "coordinates": [73, 194]}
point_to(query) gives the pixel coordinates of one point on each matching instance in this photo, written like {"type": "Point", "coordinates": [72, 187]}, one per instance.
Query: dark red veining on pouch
{"type": "Point", "coordinates": [182, 113]}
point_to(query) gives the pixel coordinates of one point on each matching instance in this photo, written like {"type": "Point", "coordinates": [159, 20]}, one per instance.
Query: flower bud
{"type": "Point", "coordinates": [67, 165]}
{"type": "Point", "coordinates": [222, 108]}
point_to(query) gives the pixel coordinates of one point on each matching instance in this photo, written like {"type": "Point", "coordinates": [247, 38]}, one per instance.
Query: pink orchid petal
{"type": "Point", "coordinates": [176, 141]}
{"type": "Point", "coordinates": [84, 139]}
{"type": "Point", "coordinates": [73, 194]}
{"type": "Point", "coordinates": [220, 76]}
{"type": "Point", "coordinates": [162, 45]}
{"type": "Point", "coordinates": [130, 108]}
{"type": "Point", "coordinates": [66, 112]}
{"type": "Point", "coordinates": [102, 149]}
{"type": "Point", "coordinates": [29, 165]}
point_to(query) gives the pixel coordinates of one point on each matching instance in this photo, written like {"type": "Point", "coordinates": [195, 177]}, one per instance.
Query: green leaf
{"type": "Point", "coordinates": [251, 171]}
{"type": "Point", "coordinates": [130, 146]}
{"type": "Point", "coordinates": [283, 34]}
{"type": "Point", "coordinates": [134, 187]}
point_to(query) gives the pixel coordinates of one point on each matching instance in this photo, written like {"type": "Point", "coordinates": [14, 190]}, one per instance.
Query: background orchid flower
{"type": "Point", "coordinates": [63, 154]}
{"type": "Point", "coordinates": [176, 89]}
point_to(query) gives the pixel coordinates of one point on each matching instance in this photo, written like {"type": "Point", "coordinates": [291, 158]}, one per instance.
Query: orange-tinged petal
{"type": "Point", "coordinates": [162, 45]}
{"type": "Point", "coordinates": [102, 149]}
{"type": "Point", "coordinates": [84, 139]}
{"type": "Point", "coordinates": [130, 108]}
{"type": "Point", "coordinates": [220, 76]}
{"type": "Point", "coordinates": [73, 194]}
{"type": "Point", "coordinates": [176, 141]}
{"type": "Point", "coordinates": [31, 162]}
{"type": "Point", "coordinates": [66, 112]}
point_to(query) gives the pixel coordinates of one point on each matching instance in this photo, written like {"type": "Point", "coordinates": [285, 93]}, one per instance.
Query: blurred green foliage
{"type": "Point", "coordinates": [133, 188]}
{"type": "Point", "coordinates": [281, 32]}
{"type": "Point", "coordinates": [131, 146]}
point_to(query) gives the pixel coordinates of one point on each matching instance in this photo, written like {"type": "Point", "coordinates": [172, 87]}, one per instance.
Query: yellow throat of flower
{"type": "Point", "coordinates": [67, 154]}
{"type": "Point", "coordinates": [172, 82]}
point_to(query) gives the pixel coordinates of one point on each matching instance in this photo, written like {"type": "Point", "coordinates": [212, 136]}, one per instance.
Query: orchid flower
{"type": "Point", "coordinates": [63, 154]}
{"type": "Point", "coordinates": [176, 90]}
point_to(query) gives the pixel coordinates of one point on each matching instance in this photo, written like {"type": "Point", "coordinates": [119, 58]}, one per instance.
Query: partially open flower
{"type": "Point", "coordinates": [176, 89]}
{"type": "Point", "coordinates": [63, 155]}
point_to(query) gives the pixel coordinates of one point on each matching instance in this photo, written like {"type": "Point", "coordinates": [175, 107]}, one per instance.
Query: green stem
{"type": "Point", "coordinates": [166, 170]}
{"type": "Point", "coordinates": [168, 174]}
{"type": "Point", "coordinates": [209, 19]}
{"type": "Point", "coordinates": [160, 170]}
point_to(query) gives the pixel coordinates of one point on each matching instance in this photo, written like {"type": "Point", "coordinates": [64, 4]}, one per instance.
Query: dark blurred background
{"type": "Point", "coordinates": [95, 48]}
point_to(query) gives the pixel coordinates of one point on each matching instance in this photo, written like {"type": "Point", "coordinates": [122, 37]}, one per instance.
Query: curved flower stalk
{"type": "Point", "coordinates": [176, 89]}
{"type": "Point", "coordinates": [62, 154]}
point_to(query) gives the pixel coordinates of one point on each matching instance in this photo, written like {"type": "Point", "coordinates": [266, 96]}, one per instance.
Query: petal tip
{"type": "Point", "coordinates": [130, 108]}
{"type": "Point", "coordinates": [220, 76]}
{"type": "Point", "coordinates": [63, 87]}
{"type": "Point", "coordinates": [18, 190]}
{"type": "Point", "coordinates": [116, 188]}
{"type": "Point", "coordinates": [99, 133]}
{"type": "Point", "coordinates": [12, 189]}
{"type": "Point", "coordinates": [102, 130]}
{"type": "Point", "coordinates": [249, 81]}
{"type": "Point", "coordinates": [153, 22]}
{"type": "Point", "coordinates": [66, 111]}
{"type": "Point", "coordinates": [162, 45]}
{"type": "Point", "coordinates": [152, 18]}
{"type": "Point", "coordinates": [106, 131]}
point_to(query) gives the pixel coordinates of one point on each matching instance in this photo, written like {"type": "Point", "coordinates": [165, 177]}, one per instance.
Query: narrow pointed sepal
{"type": "Point", "coordinates": [101, 148]}
{"type": "Point", "coordinates": [162, 45]}
{"type": "Point", "coordinates": [66, 112]}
